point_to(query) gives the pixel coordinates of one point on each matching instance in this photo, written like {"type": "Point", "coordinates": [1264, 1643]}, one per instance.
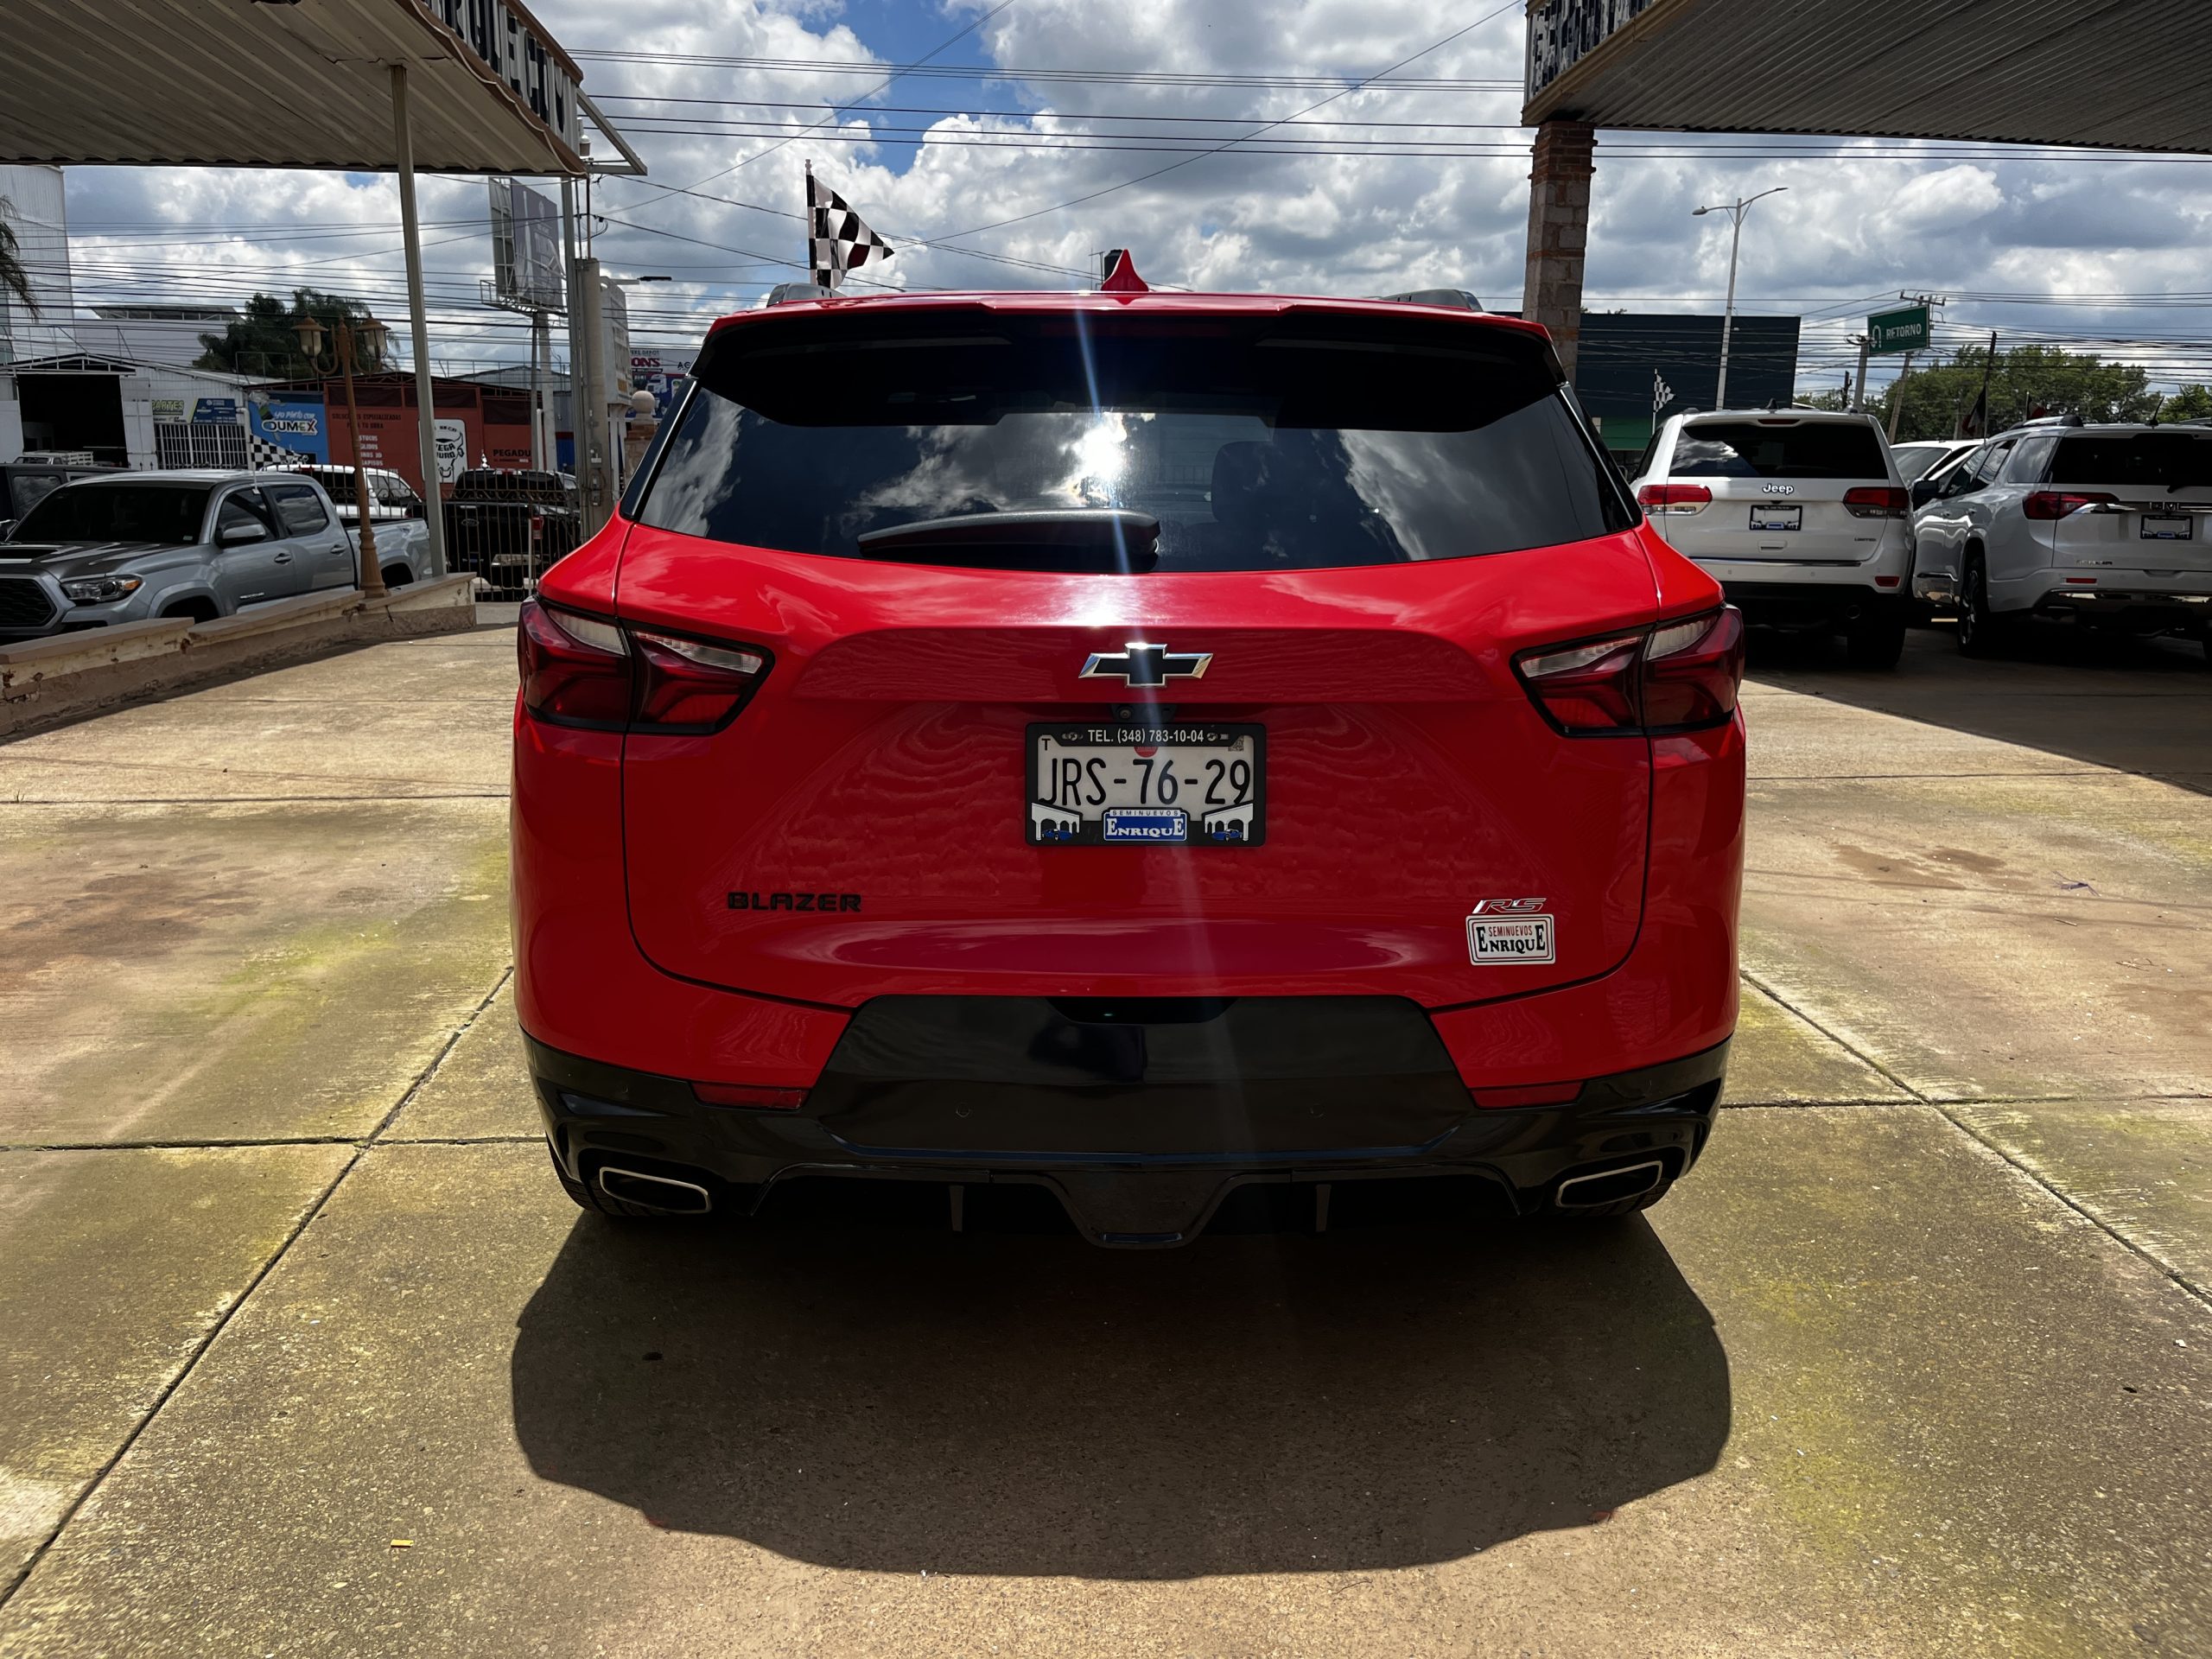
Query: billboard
{"type": "Point", "coordinates": [614, 341]}
{"type": "Point", "coordinates": [295, 423]}
{"type": "Point", "coordinates": [526, 247]}
{"type": "Point", "coordinates": [661, 373]}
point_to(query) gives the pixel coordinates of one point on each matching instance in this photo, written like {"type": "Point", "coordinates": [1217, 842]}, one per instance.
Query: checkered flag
{"type": "Point", "coordinates": [260, 453]}
{"type": "Point", "coordinates": [836, 239]}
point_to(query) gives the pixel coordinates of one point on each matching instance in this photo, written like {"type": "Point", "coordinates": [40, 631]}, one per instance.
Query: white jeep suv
{"type": "Point", "coordinates": [2107, 525]}
{"type": "Point", "coordinates": [1800, 513]}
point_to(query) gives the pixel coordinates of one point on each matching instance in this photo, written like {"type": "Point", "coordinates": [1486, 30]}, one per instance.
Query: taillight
{"type": "Point", "coordinates": [1692, 671]}
{"type": "Point", "coordinates": [575, 669]}
{"type": "Point", "coordinates": [1674, 498]}
{"type": "Point", "coordinates": [688, 683]}
{"type": "Point", "coordinates": [2056, 504]}
{"type": "Point", "coordinates": [1676, 676]}
{"type": "Point", "coordinates": [1877, 502]}
{"type": "Point", "coordinates": [1588, 688]}
{"type": "Point", "coordinates": [584, 670]}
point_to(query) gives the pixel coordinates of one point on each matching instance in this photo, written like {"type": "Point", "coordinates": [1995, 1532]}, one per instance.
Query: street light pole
{"type": "Point", "coordinates": [1735, 210]}
{"type": "Point", "coordinates": [370, 572]}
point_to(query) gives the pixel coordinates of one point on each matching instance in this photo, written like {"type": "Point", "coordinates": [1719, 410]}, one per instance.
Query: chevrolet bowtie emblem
{"type": "Point", "coordinates": [1143, 664]}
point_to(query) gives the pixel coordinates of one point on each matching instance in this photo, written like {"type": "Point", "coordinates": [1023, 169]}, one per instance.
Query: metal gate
{"type": "Point", "coordinates": [200, 443]}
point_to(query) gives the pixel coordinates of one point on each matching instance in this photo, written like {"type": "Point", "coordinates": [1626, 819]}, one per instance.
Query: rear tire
{"type": "Point", "coordinates": [397, 576]}
{"type": "Point", "coordinates": [1982, 631]}
{"type": "Point", "coordinates": [1876, 641]}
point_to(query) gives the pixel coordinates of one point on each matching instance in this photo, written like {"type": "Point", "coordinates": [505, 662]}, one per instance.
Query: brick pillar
{"type": "Point", "coordinates": [1559, 232]}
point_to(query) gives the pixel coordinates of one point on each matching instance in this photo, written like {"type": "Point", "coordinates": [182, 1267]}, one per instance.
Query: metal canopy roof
{"type": "Point", "coordinates": [2129, 74]}
{"type": "Point", "coordinates": [241, 83]}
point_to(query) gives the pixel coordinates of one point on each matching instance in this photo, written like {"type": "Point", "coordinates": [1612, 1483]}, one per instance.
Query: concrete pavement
{"type": "Point", "coordinates": [1916, 1362]}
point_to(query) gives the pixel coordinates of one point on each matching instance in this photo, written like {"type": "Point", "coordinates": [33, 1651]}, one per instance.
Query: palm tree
{"type": "Point", "coordinates": [12, 275]}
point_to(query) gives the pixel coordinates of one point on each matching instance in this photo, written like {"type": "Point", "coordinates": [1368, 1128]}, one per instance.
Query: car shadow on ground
{"type": "Point", "coordinates": [2138, 705]}
{"type": "Point", "coordinates": [928, 1402]}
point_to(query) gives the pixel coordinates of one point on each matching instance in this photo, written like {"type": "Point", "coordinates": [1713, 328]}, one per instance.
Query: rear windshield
{"type": "Point", "coordinates": [168, 513]}
{"type": "Point", "coordinates": [1257, 445]}
{"type": "Point", "coordinates": [2144, 461]}
{"type": "Point", "coordinates": [1915, 461]}
{"type": "Point", "coordinates": [1754, 449]}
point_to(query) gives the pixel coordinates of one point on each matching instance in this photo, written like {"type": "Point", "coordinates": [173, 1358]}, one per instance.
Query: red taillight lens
{"type": "Point", "coordinates": [687, 682]}
{"type": "Point", "coordinates": [585, 671]}
{"type": "Point", "coordinates": [1674, 498]}
{"type": "Point", "coordinates": [1588, 688]}
{"type": "Point", "coordinates": [2057, 504]}
{"type": "Point", "coordinates": [1877, 502]}
{"type": "Point", "coordinates": [1676, 676]}
{"type": "Point", "coordinates": [1693, 672]}
{"type": "Point", "coordinates": [575, 669]}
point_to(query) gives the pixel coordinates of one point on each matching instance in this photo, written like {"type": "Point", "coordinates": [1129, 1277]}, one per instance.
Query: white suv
{"type": "Point", "coordinates": [2108, 525]}
{"type": "Point", "coordinates": [1799, 512]}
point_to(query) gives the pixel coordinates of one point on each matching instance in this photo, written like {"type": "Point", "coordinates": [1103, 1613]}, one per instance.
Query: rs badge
{"type": "Point", "coordinates": [1510, 930]}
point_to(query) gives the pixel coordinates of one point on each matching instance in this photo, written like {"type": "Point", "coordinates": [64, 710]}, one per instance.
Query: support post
{"type": "Point", "coordinates": [1858, 386]}
{"type": "Point", "coordinates": [541, 410]}
{"type": "Point", "coordinates": [575, 338]}
{"type": "Point", "coordinates": [426, 409]}
{"type": "Point", "coordinates": [587, 396]}
{"type": "Point", "coordinates": [1559, 232]}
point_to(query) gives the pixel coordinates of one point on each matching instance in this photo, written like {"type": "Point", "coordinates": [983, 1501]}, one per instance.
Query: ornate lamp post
{"type": "Point", "coordinates": [373, 334]}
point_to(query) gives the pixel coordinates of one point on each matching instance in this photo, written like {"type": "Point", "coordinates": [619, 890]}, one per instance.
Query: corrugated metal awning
{"type": "Point", "coordinates": [244, 83]}
{"type": "Point", "coordinates": [2126, 74]}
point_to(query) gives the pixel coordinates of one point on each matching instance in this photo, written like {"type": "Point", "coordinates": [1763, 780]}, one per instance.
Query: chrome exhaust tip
{"type": "Point", "coordinates": [662, 1193]}
{"type": "Point", "coordinates": [1609, 1186]}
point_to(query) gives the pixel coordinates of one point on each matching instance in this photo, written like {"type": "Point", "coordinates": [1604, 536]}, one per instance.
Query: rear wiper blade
{"type": "Point", "coordinates": [1073, 538]}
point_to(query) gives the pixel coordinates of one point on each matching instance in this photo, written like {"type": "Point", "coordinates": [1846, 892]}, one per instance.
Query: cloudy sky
{"type": "Point", "coordinates": [1020, 149]}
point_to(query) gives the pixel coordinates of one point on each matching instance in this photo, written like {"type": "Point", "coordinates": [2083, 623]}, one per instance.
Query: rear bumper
{"type": "Point", "coordinates": [2134, 610]}
{"type": "Point", "coordinates": [1813, 604]}
{"type": "Point", "coordinates": [1146, 1162]}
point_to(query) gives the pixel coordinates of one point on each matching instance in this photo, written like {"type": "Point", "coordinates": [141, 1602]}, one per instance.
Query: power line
{"type": "Point", "coordinates": [923, 68]}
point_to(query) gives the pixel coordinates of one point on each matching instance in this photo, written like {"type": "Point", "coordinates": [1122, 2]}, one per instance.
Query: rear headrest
{"type": "Point", "coordinates": [1249, 480]}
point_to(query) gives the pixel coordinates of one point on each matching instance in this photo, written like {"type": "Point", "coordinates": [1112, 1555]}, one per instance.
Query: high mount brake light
{"type": "Point", "coordinates": [1879, 502]}
{"type": "Point", "coordinates": [1674, 498]}
{"type": "Point", "coordinates": [2058, 503]}
{"type": "Point", "coordinates": [1677, 676]}
{"type": "Point", "coordinates": [585, 671]}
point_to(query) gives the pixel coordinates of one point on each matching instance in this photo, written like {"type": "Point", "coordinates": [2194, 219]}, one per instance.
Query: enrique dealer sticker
{"type": "Point", "coordinates": [1510, 938]}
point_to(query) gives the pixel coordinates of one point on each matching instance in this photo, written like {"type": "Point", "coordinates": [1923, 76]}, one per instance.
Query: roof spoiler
{"type": "Point", "coordinates": [1457, 299]}
{"type": "Point", "coordinates": [792, 293]}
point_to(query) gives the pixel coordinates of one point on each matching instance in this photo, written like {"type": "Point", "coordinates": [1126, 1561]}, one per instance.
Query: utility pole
{"type": "Point", "coordinates": [1896, 390]}
{"type": "Point", "coordinates": [1897, 396]}
{"type": "Point", "coordinates": [1865, 343]}
{"type": "Point", "coordinates": [1735, 210]}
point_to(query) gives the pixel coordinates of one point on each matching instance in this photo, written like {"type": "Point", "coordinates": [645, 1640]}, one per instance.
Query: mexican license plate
{"type": "Point", "coordinates": [1766, 517]}
{"type": "Point", "coordinates": [1117, 783]}
{"type": "Point", "coordinates": [2168, 527]}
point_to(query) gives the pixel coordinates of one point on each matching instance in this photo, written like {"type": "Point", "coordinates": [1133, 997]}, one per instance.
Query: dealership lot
{"type": "Point", "coordinates": [306, 1352]}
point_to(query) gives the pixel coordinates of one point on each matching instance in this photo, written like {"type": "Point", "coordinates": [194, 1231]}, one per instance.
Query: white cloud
{"type": "Point", "coordinates": [1850, 229]}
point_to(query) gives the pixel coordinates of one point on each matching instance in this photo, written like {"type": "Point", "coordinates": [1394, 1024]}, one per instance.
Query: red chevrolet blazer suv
{"type": "Point", "coordinates": [1177, 755]}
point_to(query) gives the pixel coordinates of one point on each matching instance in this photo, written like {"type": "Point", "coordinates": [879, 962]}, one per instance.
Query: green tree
{"type": "Point", "coordinates": [13, 277]}
{"type": "Point", "coordinates": [2189, 403]}
{"type": "Point", "coordinates": [2025, 381]}
{"type": "Point", "coordinates": [263, 342]}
